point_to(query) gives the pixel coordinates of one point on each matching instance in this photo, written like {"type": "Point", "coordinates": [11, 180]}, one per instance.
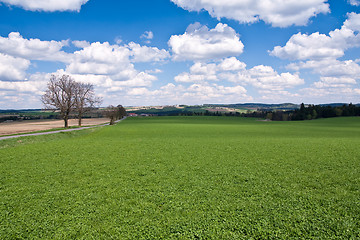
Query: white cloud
{"type": "Point", "coordinates": [199, 72]}
{"type": "Point", "coordinates": [279, 96]}
{"type": "Point", "coordinates": [194, 94]}
{"type": "Point", "coordinates": [80, 44]}
{"type": "Point", "coordinates": [109, 67]}
{"type": "Point", "coordinates": [147, 35]}
{"type": "Point", "coordinates": [147, 54]}
{"type": "Point", "coordinates": [201, 43]}
{"type": "Point", "coordinates": [333, 73]}
{"type": "Point", "coordinates": [100, 58]}
{"type": "Point", "coordinates": [191, 78]}
{"type": "Point", "coordinates": [139, 91]}
{"type": "Point", "coordinates": [320, 46]}
{"type": "Point", "coordinates": [47, 5]}
{"type": "Point", "coordinates": [231, 64]}
{"type": "Point", "coordinates": [217, 93]}
{"type": "Point", "coordinates": [231, 69]}
{"type": "Point", "coordinates": [265, 77]}
{"type": "Point", "coordinates": [33, 86]}
{"type": "Point", "coordinates": [325, 94]}
{"type": "Point", "coordinates": [320, 53]}
{"type": "Point", "coordinates": [331, 68]}
{"type": "Point", "coordinates": [33, 49]}
{"type": "Point", "coordinates": [279, 13]}
{"type": "Point", "coordinates": [139, 80]}
{"type": "Point", "coordinates": [112, 64]}
{"type": "Point", "coordinates": [12, 69]}
{"type": "Point", "coordinates": [154, 71]}
{"type": "Point", "coordinates": [354, 2]}
{"type": "Point", "coordinates": [353, 22]}
{"type": "Point", "coordinates": [105, 59]}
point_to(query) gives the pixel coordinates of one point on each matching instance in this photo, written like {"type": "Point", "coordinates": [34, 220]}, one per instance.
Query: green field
{"type": "Point", "coordinates": [185, 178]}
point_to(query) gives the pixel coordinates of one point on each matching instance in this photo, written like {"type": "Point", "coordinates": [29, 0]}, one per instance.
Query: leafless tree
{"type": "Point", "coordinates": [59, 95]}
{"type": "Point", "coordinates": [85, 99]}
{"type": "Point", "coordinates": [115, 113]}
{"type": "Point", "coordinates": [121, 111]}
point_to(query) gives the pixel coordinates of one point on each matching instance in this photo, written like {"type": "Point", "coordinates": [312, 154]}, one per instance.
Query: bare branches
{"type": "Point", "coordinates": [115, 113]}
{"type": "Point", "coordinates": [67, 96]}
{"type": "Point", "coordinates": [60, 95]}
{"type": "Point", "coordinates": [85, 99]}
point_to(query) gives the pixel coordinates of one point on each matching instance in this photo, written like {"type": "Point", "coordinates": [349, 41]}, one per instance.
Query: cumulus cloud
{"type": "Point", "coordinates": [113, 66]}
{"type": "Point", "coordinates": [34, 85]}
{"type": "Point", "coordinates": [147, 35]}
{"type": "Point", "coordinates": [139, 91]}
{"type": "Point", "coordinates": [138, 80]}
{"type": "Point", "coordinates": [99, 58]}
{"type": "Point", "coordinates": [320, 46]}
{"type": "Point", "coordinates": [201, 43]}
{"type": "Point", "coordinates": [333, 73]}
{"type": "Point", "coordinates": [109, 67]}
{"type": "Point", "coordinates": [278, 13]}
{"type": "Point", "coordinates": [231, 64]}
{"type": "Point", "coordinates": [33, 49]}
{"type": "Point", "coordinates": [231, 69]}
{"type": "Point", "coordinates": [12, 69]}
{"type": "Point", "coordinates": [331, 68]}
{"type": "Point", "coordinates": [47, 5]}
{"type": "Point", "coordinates": [147, 54]}
{"type": "Point", "coordinates": [197, 93]}
{"type": "Point", "coordinates": [320, 53]}
{"type": "Point", "coordinates": [106, 59]}
{"type": "Point", "coordinates": [353, 22]}
{"type": "Point", "coordinates": [199, 72]}
{"type": "Point", "coordinates": [265, 77]}
{"type": "Point", "coordinates": [154, 71]}
{"type": "Point", "coordinates": [354, 2]}
{"type": "Point", "coordinates": [319, 92]}
{"type": "Point", "coordinates": [24, 93]}
{"type": "Point", "coordinates": [80, 44]}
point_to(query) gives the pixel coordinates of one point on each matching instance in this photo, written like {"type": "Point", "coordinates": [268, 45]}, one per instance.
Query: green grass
{"type": "Point", "coordinates": [185, 178]}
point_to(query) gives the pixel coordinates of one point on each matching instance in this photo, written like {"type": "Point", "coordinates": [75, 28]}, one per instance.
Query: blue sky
{"type": "Point", "coordinates": [166, 52]}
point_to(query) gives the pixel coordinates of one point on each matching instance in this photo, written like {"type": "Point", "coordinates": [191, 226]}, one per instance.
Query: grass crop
{"type": "Point", "coordinates": [185, 178]}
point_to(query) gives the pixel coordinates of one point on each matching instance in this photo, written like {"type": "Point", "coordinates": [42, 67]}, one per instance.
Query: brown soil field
{"type": "Point", "coordinates": [40, 125]}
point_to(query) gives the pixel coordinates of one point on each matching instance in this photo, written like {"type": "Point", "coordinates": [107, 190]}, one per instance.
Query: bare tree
{"type": "Point", "coordinates": [121, 111]}
{"type": "Point", "coordinates": [85, 99]}
{"type": "Point", "coordinates": [115, 113]}
{"type": "Point", "coordinates": [59, 95]}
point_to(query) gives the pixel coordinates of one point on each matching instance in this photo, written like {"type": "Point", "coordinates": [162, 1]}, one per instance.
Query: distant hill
{"type": "Point", "coordinates": [256, 106]}
{"type": "Point", "coordinates": [19, 111]}
{"type": "Point", "coordinates": [223, 108]}
{"type": "Point", "coordinates": [239, 107]}
{"type": "Point", "coordinates": [175, 110]}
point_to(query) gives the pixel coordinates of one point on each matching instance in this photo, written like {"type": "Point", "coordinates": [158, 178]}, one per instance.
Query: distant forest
{"type": "Point", "coordinates": [303, 113]}
{"type": "Point", "coordinates": [35, 114]}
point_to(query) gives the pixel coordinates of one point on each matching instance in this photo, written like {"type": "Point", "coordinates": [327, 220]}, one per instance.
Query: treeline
{"type": "Point", "coordinates": [303, 113]}
{"type": "Point", "coordinates": [20, 115]}
{"type": "Point", "coordinates": [321, 111]}
{"type": "Point", "coordinates": [255, 114]}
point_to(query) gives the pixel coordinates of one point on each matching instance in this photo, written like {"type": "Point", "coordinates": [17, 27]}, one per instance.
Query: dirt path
{"type": "Point", "coordinates": [41, 125]}
{"type": "Point", "coordinates": [58, 131]}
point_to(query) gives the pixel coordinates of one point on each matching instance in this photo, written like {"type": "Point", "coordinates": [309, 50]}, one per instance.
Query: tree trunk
{"type": "Point", "coordinates": [66, 122]}
{"type": "Point", "coordinates": [79, 122]}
